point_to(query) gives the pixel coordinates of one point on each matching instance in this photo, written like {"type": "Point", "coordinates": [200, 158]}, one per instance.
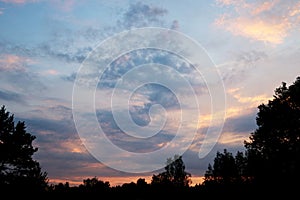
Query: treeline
{"type": "Point", "coordinates": [270, 163]}
{"type": "Point", "coordinates": [173, 179]}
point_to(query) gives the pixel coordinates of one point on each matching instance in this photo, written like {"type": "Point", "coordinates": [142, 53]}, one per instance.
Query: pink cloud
{"type": "Point", "coordinates": [9, 62]}
{"type": "Point", "coordinates": [51, 72]}
{"type": "Point", "coordinates": [19, 1]}
{"type": "Point", "coordinates": [66, 5]}
{"type": "Point", "coordinates": [265, 6]}
{"type": "Point", "coordinates": [230, 2]}
{"type": "Point", "coordinates": [267, 21]}
{"type": "Point", "coordinates": [257, 29]}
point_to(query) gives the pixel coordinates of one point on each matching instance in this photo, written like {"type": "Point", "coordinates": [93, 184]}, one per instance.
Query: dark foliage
{"type": "Point", "coordinates": [272, 156]}
{"type": "Point", "coordinates": [173, 176]}
{"type": "Point", "coordinates": [18, 170]}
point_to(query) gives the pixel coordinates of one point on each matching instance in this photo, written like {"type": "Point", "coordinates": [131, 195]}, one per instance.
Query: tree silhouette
{"type": "Point", "coordinates": [17, 168]}
{"type": "Point", "coordinates": [226, 169]}
{"type": "Point", "coordinates": [274, 147]}
{"type": "Point", "coordinates": [174, 174]}
{"type": "Point", "coordinates": [95, 185]}
{"type": "Point", "coordinates": [272, 153]}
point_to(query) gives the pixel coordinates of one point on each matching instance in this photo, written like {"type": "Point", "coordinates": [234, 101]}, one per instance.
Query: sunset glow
{"type": "Point", "coordinates": [252, 45]}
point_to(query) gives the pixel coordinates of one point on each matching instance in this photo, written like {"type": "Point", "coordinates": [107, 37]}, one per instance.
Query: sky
{"type": "Point", "coordinates": [113, 88]}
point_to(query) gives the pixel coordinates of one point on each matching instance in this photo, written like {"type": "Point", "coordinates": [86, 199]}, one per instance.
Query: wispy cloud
{"type": "Point", "coordinates": [121, 139]}
{"type": "Point", "coordinates": [251, 101]}
{"type": "Point", "coordinates": [66, 5]}
{"type": "Point", "coordinates": [140, 15]}
{"type": "Point", "coordinates": [10, 62]}
{"type": "Point", "coordinates": [50, 72]}
{"type": "Point", "coordinates": [19, 1]}
{"type": "Point", "coordinates": [17, 75]}
{"type": "Point", "coordinates": [267, 21]}
{"type": "Point", "coordinates": [11, 96]}
{"type": "Point", "coordinates": [233, 139]}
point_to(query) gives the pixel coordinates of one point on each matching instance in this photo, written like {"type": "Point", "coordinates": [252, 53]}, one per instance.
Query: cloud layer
{"type": "Point", "coordinates": [266, 21]}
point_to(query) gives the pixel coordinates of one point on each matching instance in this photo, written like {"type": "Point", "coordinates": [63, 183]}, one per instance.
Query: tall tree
{"type": "Point", "coordinates": [17, 167]}
{"type": "Point", "coordinates": [274, 147]}
{"type": "Point", "coordinates": [174, 174]}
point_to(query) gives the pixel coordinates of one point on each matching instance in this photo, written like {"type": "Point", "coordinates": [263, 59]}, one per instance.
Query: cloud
{"type": "Point", "coordinates": [140, 57]}
{"type": "Point", "coordinates": [267, 21]}
{"type": "Point", "coordinates": [19, 1]}
{"type": "Point", "coordinates": [74, 46]}
{"type": "Point", "coordinates": [64, 49]}
{"type": "Point", "coordinates": [237, 127]}
{"type": "Point", "coordinates": [242, 65]}
{"type": "Point", "coordinates": [10, 62]}
{"type": "Point", "coordinates": [16, 75]}
{"type": "Point", "coordinates": [141, 15]}
{"type": "Point", "coordinates": [66, 5]}
{"type": "Point", "coordinates": [251, 101]}
{"type": "Point", "coordinates": [11, 96]}
{"type": "Point", "coordinates": [59, 147]}
{"type": "Point", "coordinates": [129, 143]}
{"type": "Point", "coordinates": [241, 124]}
{"type": "Point", "coordinates": [233, 139]}
{"type": "Point", "coordinates": [175, 25]}
{"type": "Point", "coordinates": [267, 31]}
{"type": "Point", "coordinates": [70, 77]}
{"type": "Point", "coordinates": [50, 72]}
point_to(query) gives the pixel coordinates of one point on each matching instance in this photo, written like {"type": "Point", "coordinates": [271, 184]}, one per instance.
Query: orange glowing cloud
{"type": "Point", "coordinates": [252, 101]}
{"type": "Point", "coordinates": [257, 29]}
{"type": "Point", "coordinates": [258, 21]}
{"type": "Point", "coordinates": [69, 145]}
{"type": "Point", "coordinates": [265, 6]}
{"type": "Point", "coordinates": [295, 11]}
{"type": "Point", "coordinates": [72, 145]}
{"type": "Point", "coordinates": [232, 139]}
